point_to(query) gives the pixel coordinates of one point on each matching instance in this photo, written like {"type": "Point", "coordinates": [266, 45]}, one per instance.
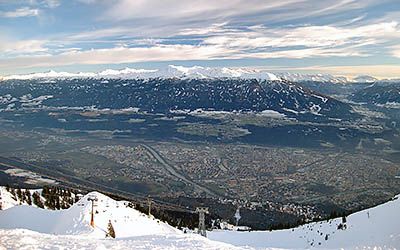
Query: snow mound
{"type": "Point", "coordinates": [127, 222]}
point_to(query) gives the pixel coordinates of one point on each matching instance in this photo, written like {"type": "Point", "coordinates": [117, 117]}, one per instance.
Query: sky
{"type": "Point", "coordinates": [340, 37]}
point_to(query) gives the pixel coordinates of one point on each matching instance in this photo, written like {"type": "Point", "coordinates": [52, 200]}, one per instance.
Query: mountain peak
{"type": "Point", "coordinates": [365, 79]}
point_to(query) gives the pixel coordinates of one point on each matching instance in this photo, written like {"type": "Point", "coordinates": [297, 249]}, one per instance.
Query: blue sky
{"type": "Point", "coordinates": [342, 37]}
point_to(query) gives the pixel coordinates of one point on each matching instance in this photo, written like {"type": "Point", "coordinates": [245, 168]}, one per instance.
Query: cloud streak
{"type": "Point", "coordinates": [20, 12]}
{"type": "Point", "coordinates": [219, 41]}
{"type": "Point", "coordinates": [124, 31]}
{"type": "Point", "coordinates": [118, 55]}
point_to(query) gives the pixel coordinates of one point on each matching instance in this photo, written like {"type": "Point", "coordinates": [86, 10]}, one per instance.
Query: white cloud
{"type": "Point", "coordinates": [52, 3]}
{"type": "Point", "coordinates": [379, 71]}
{"type": "Point", "coordinates": [118, 55]}
{"type": "Point", "coordinates": [93, 1]}
{"type": "Point", "coordinates": [158, 53]}
{"type": "Point", "coordinates": [304, 53]}
{"type": "Point", "coordinates": [23, 47]}
{"type": "Point", "coordinates": [308, 36]}
{"type": "Point", "coordinates": [44, 3]}
{"type": "Point", "coordinates": [21, 12]}
{"type": "Point", "coordinates": [173, 11]}
{"type": "Point", "coordinates": [219, 41]}
{"type": "Point", "coordinates": [396, 51]}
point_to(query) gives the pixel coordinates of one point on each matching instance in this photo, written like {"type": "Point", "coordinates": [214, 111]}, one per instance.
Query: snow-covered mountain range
{"type": "Point", "coordinates": [30, 227]}
{"type": "Point", "coordinates": [163, 95]}
{"type": "Point", "coordinates": [298, 77]}
{"type": "Point", "coordinates": [170, 71]}
{"type": "Point", "coordinates": [173, 71]}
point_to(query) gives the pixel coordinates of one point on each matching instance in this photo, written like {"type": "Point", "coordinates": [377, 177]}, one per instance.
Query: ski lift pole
{"type": "Point", "coordinates": [202, 225]}
{"type": "Point", "coordinates": [149, 203]}
{"type": "Point", "coordinates": [92, 199]}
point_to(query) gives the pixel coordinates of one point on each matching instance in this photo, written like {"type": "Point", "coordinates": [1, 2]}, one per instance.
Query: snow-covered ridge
{"type": "Point", "coordinates": [171, 71]}
{"type": "Point", "coordinates": [328, 78]}
{"type": "Point", "coordinates": [298, 77]}
{"type": "Point", "coordinates": [174, 71]}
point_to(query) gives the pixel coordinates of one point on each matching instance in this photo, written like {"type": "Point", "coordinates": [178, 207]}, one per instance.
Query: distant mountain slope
{"type": "Point", "coordinates": [378, 94]}
{"type": "Point", "coordinates": [163, 95]}
{"type": "Point", "coordinates": [337, 89]}
{"type": "Point", "coordinates": [325, 78]}
{"type": "Point", "coordinates": [365, 79]}
{"type": "Point", "coordinates": [374, 228]}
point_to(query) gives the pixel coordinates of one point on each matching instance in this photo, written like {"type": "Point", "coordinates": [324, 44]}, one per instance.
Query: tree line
{"type": "Point", "coordinates": [50, 197]}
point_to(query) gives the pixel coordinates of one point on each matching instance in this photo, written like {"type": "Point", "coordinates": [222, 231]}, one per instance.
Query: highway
{"type": "Point", "coordinates": [87, 185]}
{"type": "Point", "coordinates": [171, 169]}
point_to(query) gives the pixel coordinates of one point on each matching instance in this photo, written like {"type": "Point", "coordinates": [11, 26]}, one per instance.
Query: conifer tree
{"type": "Point", "coordinates": [28, 197]}
{"type": "Point", "coordinates": [110, 230]}
{"type": "Point", "coordinates": [19, 195]}
{"type": "Point", "coordinates": [23, 196]}
{"type": "Point", "coordinates": [57, 205]}
{"type": "Point", "coordinates": [45, 191]}
{"type": "Point", "coordinates": [36, 200]}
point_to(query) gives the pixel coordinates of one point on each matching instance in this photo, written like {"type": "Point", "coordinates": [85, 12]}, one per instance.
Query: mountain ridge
{"type": "Point", "coordinates": [196, 72]}
{"type": "Point", "coordinates": [164, 95]}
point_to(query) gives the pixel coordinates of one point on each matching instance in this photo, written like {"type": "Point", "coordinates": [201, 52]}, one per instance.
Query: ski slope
{"type": "Point", "coordinates": [26, 239]}
{"type": "Point", "coordinates": [24, 226]}
{"type": "Point", "coordinates": [29, 227]}
{"type": "Point", "coordinates": [374, 228]}
{"type": "Point", "coordinates": [76, 219]}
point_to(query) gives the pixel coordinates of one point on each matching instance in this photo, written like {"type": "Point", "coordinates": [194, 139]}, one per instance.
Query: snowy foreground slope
{"type": "Point", "coordinates": [33, 228]}
{"type": "Point", "coordinates": [29, 227]}
{"type": "Point", "coordinates": [374, 228]}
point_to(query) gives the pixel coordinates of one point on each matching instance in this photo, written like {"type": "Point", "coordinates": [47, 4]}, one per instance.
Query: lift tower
{"type": "Point", "coordinates": [93, 200]}
{"type": "Point", "coordinates": [202, 225]}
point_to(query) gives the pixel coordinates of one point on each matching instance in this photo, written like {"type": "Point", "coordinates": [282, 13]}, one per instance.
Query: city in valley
{"type": "Point", "coordinates": [280, 184]}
